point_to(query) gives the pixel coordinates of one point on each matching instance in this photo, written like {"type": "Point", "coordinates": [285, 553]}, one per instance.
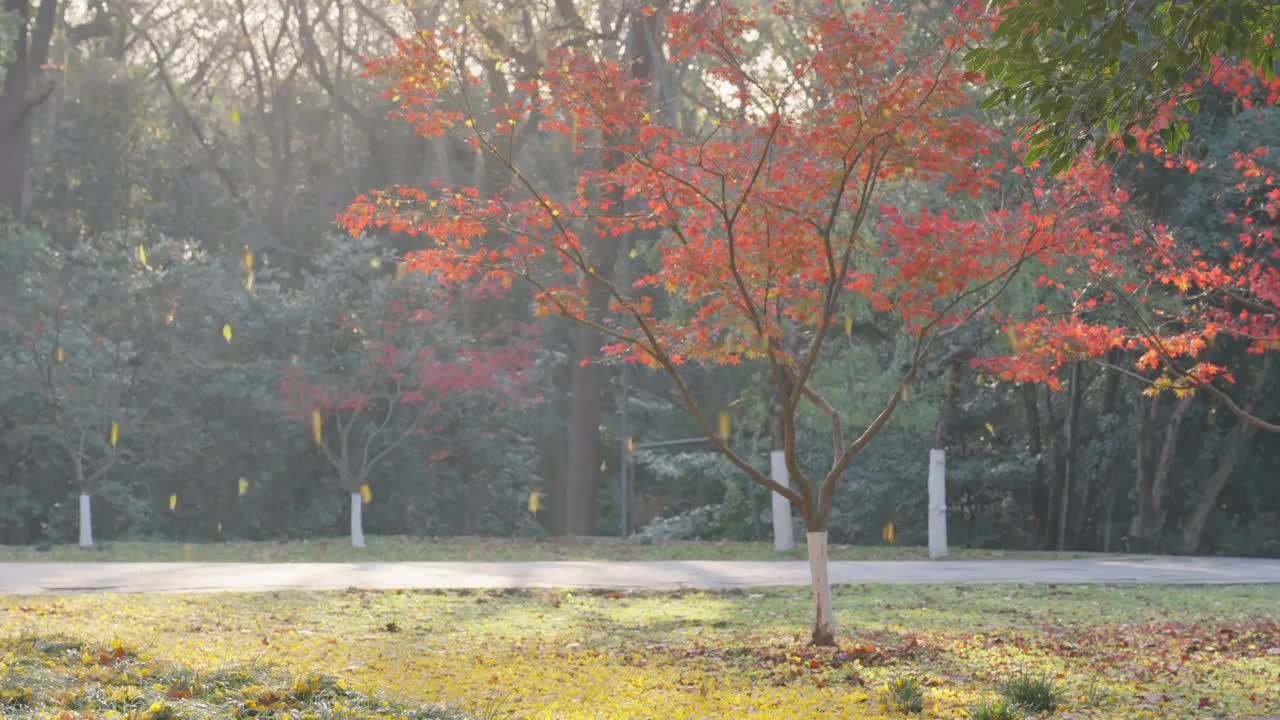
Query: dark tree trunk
{"type": "Point", "coordinates": [1193, 529]}
{"type": "Point", "coordinates": [1085, 520]}
{"type": "Point", "coordinates": [1035, 444]}
{"type": "Point", "coordinates": [949, 406]}
{"type": "Point", "coordinates": [20, 96]}
{"type": "Point", "coordinates": [575, 497]}
{"type": "Point", "coordinates": [1070, 445]}
{"type": "Point", "coordinates": [1154, 478]}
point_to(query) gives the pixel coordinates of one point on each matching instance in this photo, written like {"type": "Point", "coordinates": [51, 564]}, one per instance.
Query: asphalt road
{"type": "Point", "coordinates": [44, 578]}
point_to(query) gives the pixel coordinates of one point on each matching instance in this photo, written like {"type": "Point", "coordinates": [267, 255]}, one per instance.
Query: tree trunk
{"type": "Point", "coordinates": [575, 497]}
{"type": "Point", "coordinates": [1243, 432]}
{"type": "Point", "coordinates": [1154, 482]}
{"type": "Point", "coordinates": [783, 530]}
{"type": "Point", "coordinates": [824, 620]}
{"type": "Point", "coordinates": [1035, 444]}
{"type": "Point", "coordinates": [938, 467]}
{"type": "Point", "coordinates": [19, 99]}
{"type": "Point", "coordinates": [86, 521]}
{"type": "Point", "coordinates": [1071, 444]}
{"type": "Point", "coordinates": [357, 520]}
{"type": "Point", "coordinates": [1194, 528]}
{"type": "Point", "coordinates": [937, 503]}
{"type": "Point", "coordinates": [1144, 468]}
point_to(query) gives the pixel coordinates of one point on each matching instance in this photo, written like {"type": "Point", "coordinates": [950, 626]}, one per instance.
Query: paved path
{"type": "Point", "coordinates": [34, 578]}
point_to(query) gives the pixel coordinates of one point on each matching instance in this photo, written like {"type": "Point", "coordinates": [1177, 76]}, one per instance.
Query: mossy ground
{"type": "Point", "coordinates": [54, 678]}
{"type": "Point", "coordinates": [1117, 652]}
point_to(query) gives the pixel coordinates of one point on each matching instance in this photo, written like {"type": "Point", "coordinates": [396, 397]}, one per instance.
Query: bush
{"type": "Point", "coordinates": [1032, 693]}
{"type": "Point", "coordinates": [994, 710]}
{"type": "Point", "coordinates": [905, 694]}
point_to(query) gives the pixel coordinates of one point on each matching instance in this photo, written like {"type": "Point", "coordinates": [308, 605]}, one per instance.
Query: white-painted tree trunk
{"type": "Point", "coordinates": [783, 531]}
{"type": "Point", "coordinates": [86, 521]}
{"type": "Point", "coordinates": [937, 503]}
{"type": "Point", "coordinates": [824, 619]}
{"type": "Point", "coordinates": [357, 520]}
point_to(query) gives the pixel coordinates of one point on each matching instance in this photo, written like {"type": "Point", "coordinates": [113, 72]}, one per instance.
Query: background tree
{"type": "Point", "coordinates": [83, 340]}
{"type": "Point", "coordinates": [1091, 71]}
{"type": "Point", "coordinates": [386, 354]}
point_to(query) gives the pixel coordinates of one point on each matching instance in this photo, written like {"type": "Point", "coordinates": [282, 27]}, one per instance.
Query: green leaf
{"type": "Point", "coordinates": [1035, 153]}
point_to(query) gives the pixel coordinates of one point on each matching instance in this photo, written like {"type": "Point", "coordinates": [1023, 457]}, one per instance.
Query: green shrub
{"type": "Point", "coordinates": [1032, 693]}
{"type": "Point", "coordinates": [905, 694]}
{"type": "Point", "coordinates": [994, 710]}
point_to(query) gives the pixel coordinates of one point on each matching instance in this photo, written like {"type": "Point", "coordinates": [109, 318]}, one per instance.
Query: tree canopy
{"type": "Point", "coordinates": [1088, 72]}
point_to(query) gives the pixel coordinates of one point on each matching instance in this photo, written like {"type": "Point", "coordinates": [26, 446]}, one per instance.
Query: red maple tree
{"type": "Point", "coordinates": [1134, 286]}
{"type": "Point", "coordinates": [389, 370]}
{"type": "Point", "coordinates": [763, 224]}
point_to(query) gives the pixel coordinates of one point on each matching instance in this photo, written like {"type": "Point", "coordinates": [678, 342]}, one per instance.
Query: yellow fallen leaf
{"type": "Point", "coordinates": [142, 255]}
{"type": "Point", "coordinates": [226, 332]}
{"type": "Point", "coordinates": [173, 503]}
{"type": "Point", "coordinates": [366, 493]}
{"type": "Point", "coordinates": [535, 501]}
{"type": "Point", "coordinates": [115, 434]}
{"type": "Point", "coordinates": [243, 487]}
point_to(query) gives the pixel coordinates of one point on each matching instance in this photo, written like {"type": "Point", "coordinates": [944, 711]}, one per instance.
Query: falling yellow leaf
{"type": "Point", "coordinates": [142, 255]}
{"type": "Point", "coordinates": [631, 445]}
{"type": "Point", "coordinates": [888, 533]}
{"type": "Point", "coordinates": [990, 429]}
{"type": "Point", "coordinates": [59, 355]}
{"type": "Point", "coordinates": [248, 259]}
{"type": "Point", "coordinates": [848, 324]}
{"type": "Point", "coordinates": [173, 503]}
{"type": "Point", "coordinates": [248, 280]}
{"type": "Point", "coordinates": [725, 424]}
{"type": "Point", "coordinates": [115, 434]}
{"type": "Point", "coordinates": [317, 425]}
{"type": "Point", "coordinates": [168, 318]}
{"type": "Point", "coordinates": [402, 269]}
{"type": "Point", "coordinates": [1013, 339]}
{"type": "Point", "coordinates": [235, 117]}
{"type": "Point", "coordinates": [366, 493]}
{"type": "Point", "coordinates": [535, 501]}
{"type": "Point", "coordinates": [375, 263]}
{"type": "Point", "coordinates": [243, 487]}
{"type": "Point", "coordinates": [226, 332]}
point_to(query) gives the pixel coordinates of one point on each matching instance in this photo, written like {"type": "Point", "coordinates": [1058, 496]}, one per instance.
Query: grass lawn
{"type": "Point", "coordinates": [475, 549]}
{"type": "Point", "coordinates": [1115, 652]}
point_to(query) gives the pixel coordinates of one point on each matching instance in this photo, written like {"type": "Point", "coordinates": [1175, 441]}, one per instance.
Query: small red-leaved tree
{"type": "Point", "coordinates": [759, 228]}
{"type": "Point", "coordinates": [1132, 285]}
{"type": "Point", "coordinates": [386, 371]}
